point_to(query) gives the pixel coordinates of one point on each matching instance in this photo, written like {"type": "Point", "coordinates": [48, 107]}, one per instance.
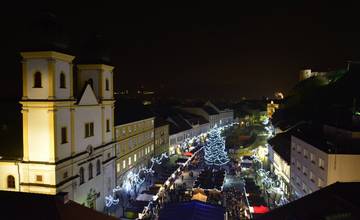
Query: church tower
{"type": "Point", "coordinates": [47, 119]}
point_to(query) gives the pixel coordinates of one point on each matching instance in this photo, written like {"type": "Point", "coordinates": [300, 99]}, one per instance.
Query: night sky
{"type": "Point", "coordinates": [227, 51]}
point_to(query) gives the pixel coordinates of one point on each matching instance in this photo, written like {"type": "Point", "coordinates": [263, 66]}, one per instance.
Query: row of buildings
{"type": "Point", "coordinates": [79, 139]}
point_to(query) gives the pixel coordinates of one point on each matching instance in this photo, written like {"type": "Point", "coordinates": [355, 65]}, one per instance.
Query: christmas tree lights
{"type": "Point", "coordinates": [214, 149]}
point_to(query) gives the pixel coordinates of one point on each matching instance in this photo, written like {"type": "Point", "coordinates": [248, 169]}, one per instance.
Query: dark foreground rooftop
{"type": "Point", "coordinates": [194, 210]}
{"type": "Point", "coordinates": [18, 205]}
{"type": "Point", "coordinates": [337, 201]}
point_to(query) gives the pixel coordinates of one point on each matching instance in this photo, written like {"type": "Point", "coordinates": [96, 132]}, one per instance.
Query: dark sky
{"type": "Point", "coordinates": [208, 51]}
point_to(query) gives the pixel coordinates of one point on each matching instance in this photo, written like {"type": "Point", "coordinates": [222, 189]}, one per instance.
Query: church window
{"type": "Point", "coordinates": [62, 81]}
{"type": "Point", "coordinates": [64, 135]}
{"type": "Point", "coordinates": [107, 125]}
{"type": "Point", "coordinates": [90, 171]}
{"type": "Point", "coordinates": [37, 80]}
{"type": "Point", "coordinates": [89, 129]}
{"type": "Point", "coordinates": [81, 174]}
{"type": "Point", "coordinates": [107, 84]}
{"type": "Point", "coordinates": [98, 168]}
{"type": "Point", "coordinates": [11, 182]}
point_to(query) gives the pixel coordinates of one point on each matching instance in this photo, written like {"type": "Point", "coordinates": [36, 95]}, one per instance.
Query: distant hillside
{"type": "Point", "coordinates": [317, 97]}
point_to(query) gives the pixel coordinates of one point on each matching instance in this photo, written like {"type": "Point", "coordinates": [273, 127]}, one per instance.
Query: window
{"type": "Point", "coordinates": [118, 167]}
{"type": "Point", "coordinates": [89, 129]}
{"type": "Point", "coordinates": [11, 182]}
{"type": "Point", "coordinates": [39, 178]}
{"type": "Point", "coordinates": [292, 161]}
{"type": "Point", "coordinates": [299, 149]}
{"type": "Point", "coordinates": [90, 168]}
{"type": "Point", "coordinates": [81, 174]}
{"type": "Point", "coordinates": [98, 168]}
{"type": "Point", "coordinates": [129, 129]}
{"type": "Point", "coordinates": [320, 183]}
{"type": "Point", "coordinates": [108, 155]}
{"type": "Point", "coordinates": [134, 158]}
{"type": "Point", "coordinates": [124, 164]}
{"type": "Point", "coordinates": [65, 175]}
{"type": "Point", "coordinates": [304, 170]}
{"type": "Point", "coordinates": [62, 81]}
{"type": "Point", "coordinates": [107, 84]}
{"type": "Point", "coordinates": [321, 163]}
{"type": "Point", "coordinates": [129, 161]}
{"type": "Point", "coordinates": [304, 187]}
{"type": "Point", "coordinates": [298, 165]}
{"type": "Point", "coordinates": [107, 125]}
{"type": "Point", "coordinates": [123, 131]}
{"type": "Point", "coordinates": [37, 80]}
{"type": "Point", "coordinates": [312, 177]}
{"type": "Point", "coordinates": [64, 135]}
{"type": "Point", "coordinates": [312, 158]}
{"type": "Point", "coordinates": [305, 153]}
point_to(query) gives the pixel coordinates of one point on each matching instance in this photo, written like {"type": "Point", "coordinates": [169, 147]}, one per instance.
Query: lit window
{"type": "Point", "coordinates": [134, 157]}
{"type": "Point", "coordinates": [129, 161]}
{"type": "Point", "coordinates": [118, 167]}
{"type": "Point", "coordinates": [124, 164]}
{"type": "Point", "coordinates": [11, 182]}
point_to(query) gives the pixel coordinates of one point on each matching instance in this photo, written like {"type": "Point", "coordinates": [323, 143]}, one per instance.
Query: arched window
{"type": "Point", "coordinates": [11, 182]}
{"type": "Point", "coordinates": [81, 174]}
{"type": "Point", "coordinates": [37, 80]}
{"type": "Point", "coordinates": [98, 171]}
{"type": "Point", "coordinates": [107, 84]}
{"type": "Point", "coordinates": [90, 171]}
{"type": "Point", "coordinates": [62, 81]}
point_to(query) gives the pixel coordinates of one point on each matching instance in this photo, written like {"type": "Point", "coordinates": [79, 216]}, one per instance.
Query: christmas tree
{"type": "Point", "coordinates": [215, 153]}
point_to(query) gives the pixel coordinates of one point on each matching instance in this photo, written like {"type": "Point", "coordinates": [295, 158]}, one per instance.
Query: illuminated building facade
{"type": "Point", "coordinates": [134, 142]}
{"type": "Point", "coordinates": [67, 140]}
{"type": "Point", "coordinates": [318, 161]}
{"type": "Point", "coordinates": [161, 137]}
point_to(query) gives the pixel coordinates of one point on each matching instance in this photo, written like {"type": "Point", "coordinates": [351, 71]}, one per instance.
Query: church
{"type": "Point", "coordinates": [68, 136]}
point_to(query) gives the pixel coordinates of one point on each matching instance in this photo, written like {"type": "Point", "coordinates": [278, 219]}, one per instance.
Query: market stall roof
{"type": "Point", "coordinates": [200, 197]}
{"type": "Point", "coordinates": [194, 210]}
{"type": "Point", "coordinates": [145, 197]}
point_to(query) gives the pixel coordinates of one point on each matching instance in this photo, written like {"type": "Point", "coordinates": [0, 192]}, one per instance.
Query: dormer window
{"type": "Point", "coordinates": [37, 80]}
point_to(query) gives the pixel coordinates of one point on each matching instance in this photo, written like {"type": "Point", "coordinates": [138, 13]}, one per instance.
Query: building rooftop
{"type": "Point", "coordinates": [336, 201]}
{"type": "Point", "coordinates": [19, 206]}
{"type": "Point", "coordinates": [314, 135]}
{"type": "Point", "coordinates": [210, 110]}
{"type": "Point", "coordinates": [130, 110]}
{"type": "Point", "coordinates": [281, 144]}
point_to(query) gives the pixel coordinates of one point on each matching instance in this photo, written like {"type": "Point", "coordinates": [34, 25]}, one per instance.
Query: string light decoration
{"type": "Point", "coordinates": [215, 153]}
{"type": "Point", "coordinates": [133, 179]}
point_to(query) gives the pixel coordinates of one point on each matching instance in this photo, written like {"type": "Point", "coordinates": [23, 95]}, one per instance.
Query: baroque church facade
{"type": "Point", "coordinates": [68, 139]}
